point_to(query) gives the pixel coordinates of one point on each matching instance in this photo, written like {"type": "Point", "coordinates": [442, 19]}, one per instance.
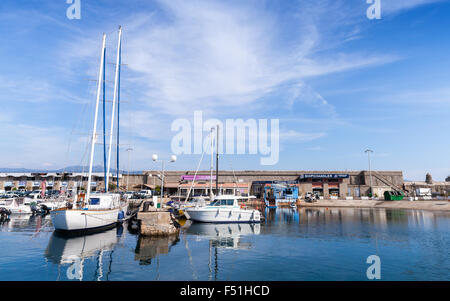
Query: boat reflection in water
{"type": "Point", "coordinates": [73, 251]}
{"type": "Point", "coordinates": [224, 235]}
{"type": "Point", "coordinates": [18, 222]}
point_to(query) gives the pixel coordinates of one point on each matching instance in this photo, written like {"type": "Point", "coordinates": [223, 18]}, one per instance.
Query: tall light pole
{"type": "Point", "coordinates": [368, 151]}
{"type": "Point", "coordinates": [173, 158]}
{"type": "Point", "coordinates": [128, 176]}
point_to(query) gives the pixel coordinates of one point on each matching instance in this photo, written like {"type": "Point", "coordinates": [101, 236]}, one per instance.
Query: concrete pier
{"type": "Point", "coordinates": [157, 222]}
{"type": "Point", "coordinates": [442, 205]}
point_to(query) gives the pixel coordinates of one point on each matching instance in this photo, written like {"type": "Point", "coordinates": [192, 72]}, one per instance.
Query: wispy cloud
{"type": "Point", "coordinates": [300, 136]}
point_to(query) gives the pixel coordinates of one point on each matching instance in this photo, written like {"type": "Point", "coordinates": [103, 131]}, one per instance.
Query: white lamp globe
{"type": "Point", "coordinates": [155, 157]}
{"type": "Point", "coordinates": [173, 158]}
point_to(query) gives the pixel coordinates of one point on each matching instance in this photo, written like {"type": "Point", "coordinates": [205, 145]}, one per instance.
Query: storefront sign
{"type": "Point", "coordinates": [23, 183]}
{"type": "Point", "coordinates": [292, 182]}
{"type": "Point", "coordinates": [94, 184]}
{"type": "Point", "coordinates": [324, 176]}
{"type": "Point", "coordinates": [8, 184]}
{"type": "Point", "coordinates": [36, 183]}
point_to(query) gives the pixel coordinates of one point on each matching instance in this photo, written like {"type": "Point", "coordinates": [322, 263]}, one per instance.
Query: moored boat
{"type": "Point", "coordinates": [101, 211]}
{"type": "Point", "coordinates": [223, 209]}
{"type": "Point", "coordinates": [18, 206]}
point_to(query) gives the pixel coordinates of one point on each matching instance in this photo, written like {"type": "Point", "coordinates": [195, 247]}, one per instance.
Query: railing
{"type": "Point", "coordinates": [387, 182]}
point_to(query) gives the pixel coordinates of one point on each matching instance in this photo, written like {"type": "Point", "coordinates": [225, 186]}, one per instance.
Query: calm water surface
{"type": "Point", "coordinates": [303, 244]}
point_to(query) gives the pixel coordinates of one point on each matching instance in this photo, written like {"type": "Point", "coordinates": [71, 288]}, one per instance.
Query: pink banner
{"type": "Point", "coordinates": [197, 177]}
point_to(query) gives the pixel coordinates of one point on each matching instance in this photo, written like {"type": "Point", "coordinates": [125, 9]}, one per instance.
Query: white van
{"type": "Point", "coordinates": [146, 192]}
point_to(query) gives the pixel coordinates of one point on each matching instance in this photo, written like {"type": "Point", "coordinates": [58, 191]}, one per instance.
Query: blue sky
{"type": "Point", "coordinates": [338, 82]}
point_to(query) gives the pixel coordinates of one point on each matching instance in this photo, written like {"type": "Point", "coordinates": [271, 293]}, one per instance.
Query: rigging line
{"type": "Point", "coordinates": [195, 176]}
{"type": "Point", "coordinates": [234, 175]}
{"type": "Point", "coordinates": [72, 132]}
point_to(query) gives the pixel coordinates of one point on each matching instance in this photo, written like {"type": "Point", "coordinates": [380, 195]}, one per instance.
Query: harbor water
{"type": "Point", "coordinates": [290, 244]}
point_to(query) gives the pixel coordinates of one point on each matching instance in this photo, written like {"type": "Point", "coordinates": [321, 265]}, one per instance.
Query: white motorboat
{"type": "Point", "coordinates": [293, 205]}
{"type": "Point", "coordinates": [18, 206]}
{"type": "Point", "coordinates": [52, 204]}
{"type": "Point", "coordinates": [223, 209]}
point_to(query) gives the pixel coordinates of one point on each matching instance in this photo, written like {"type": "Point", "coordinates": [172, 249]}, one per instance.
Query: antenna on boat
{"type": "Point", "coordinates": [116, 97]}
{"type": "Point", "coordinates": [94, 131]}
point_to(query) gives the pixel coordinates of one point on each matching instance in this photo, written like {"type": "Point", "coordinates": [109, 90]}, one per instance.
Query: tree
{"type": "Point", "coordinates": [112, 186]}
{"type": "Point", "coordinates": [447, 179]}
{"type": "Point", "coordinates": [157, 190]}
{"type": "Point", "coordinates": [428, 179]}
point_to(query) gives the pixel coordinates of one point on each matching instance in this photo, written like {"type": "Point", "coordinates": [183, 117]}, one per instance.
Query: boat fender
{"type": "Point", "coordinates": [121, 215]}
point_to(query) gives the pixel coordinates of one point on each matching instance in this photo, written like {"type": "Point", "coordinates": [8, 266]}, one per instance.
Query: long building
{"type": "Point", "coordinates": [325, 183]}
{"type": "Point", "coordinates": [338, 184]}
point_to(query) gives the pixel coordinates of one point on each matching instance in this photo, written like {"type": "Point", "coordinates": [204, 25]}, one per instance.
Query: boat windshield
{"type": "Point", "coordinates": [222, 203]}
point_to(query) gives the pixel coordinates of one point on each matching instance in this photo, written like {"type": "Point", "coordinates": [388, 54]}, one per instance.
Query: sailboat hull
{"type": "Point", "coordinates": [79, 220]}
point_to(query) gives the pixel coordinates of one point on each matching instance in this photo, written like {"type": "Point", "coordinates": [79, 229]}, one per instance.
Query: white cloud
{"type": "Point", "coordinates": [213, 56]}
{"type": "Point", "coordinates": [397, 6]}
{"type": "Point", "coordinates": [299, 136]}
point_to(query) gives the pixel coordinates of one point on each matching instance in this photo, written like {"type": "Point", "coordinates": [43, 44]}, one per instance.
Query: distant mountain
{"type": "Point", "coordinates": [74, 168]}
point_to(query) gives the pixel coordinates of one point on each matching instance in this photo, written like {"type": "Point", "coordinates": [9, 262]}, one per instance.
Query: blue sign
{"type": "Point", "coordinates": [324, 176]}
{"type": "Point", "coordinates": [8, 184]}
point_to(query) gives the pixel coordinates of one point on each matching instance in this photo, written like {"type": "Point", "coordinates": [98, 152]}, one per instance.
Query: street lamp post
{"type": "Point", "coordinates": [368, 151]}
{"type": "Point", "coordinates": [173, 158]}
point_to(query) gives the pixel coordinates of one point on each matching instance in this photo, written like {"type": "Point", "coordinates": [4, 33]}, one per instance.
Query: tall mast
{"type": "Point", "coordinates": [118, 109]}
{"type": "Point", "coordinates": [113, 108]}
{"type": "Point", "coordinates": [212, 164]}
{"type": "Point", "coordinates": [94, 131]}
{"type": "Point", "coordinates": [104, 119]}
{"type": "Point", "coordinates": [217, 162]}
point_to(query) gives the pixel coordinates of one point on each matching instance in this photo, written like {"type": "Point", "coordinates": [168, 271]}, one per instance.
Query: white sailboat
{"type": "Point", "coordinates": [100, 210]}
